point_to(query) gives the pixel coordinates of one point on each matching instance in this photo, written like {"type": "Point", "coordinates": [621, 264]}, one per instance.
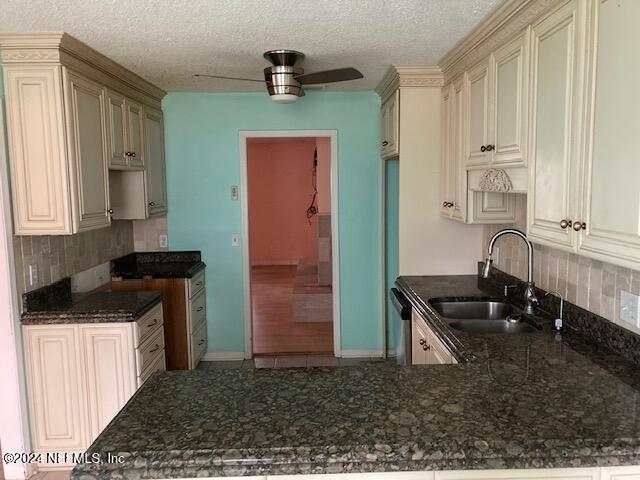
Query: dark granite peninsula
{"type": "Point", "coordinates": [537, 400]}
{"type": "Point", "coordinates": [55, 304]}
{"type": "Point", "coordinates": [157, 265]}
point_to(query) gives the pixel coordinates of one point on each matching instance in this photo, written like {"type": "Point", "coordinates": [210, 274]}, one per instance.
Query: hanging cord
{"type": "Point", "coordinates": [313, 208]}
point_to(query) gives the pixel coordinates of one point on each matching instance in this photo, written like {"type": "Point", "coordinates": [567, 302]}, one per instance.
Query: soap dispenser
{"type": "Point", "coordinates": [557, 323]}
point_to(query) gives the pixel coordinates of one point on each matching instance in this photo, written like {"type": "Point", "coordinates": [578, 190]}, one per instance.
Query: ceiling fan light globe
{"type": "Point", "coordinates": [284, 98]}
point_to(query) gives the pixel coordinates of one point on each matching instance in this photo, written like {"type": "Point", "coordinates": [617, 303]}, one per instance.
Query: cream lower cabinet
{"type": "Point", "coordinates": [79, 376]}
{"type": "Point", "coordinates": [196, 319]}
{"type": "Point", "coordinates": [426, 347]}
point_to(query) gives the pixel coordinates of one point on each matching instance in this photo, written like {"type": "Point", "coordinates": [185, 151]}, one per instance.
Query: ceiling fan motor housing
{"type": "Point", "coordinates": [281, 77]}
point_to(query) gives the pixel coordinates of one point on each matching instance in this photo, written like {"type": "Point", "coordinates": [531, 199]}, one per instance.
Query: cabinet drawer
{"type": "Point", "coordinates": [196, 283]}
{"type": "Point", "coordinates": [198, 343]}
{"type": "Point", "coordinates": [147, 353]}
{"type": "Point", "coordinates": [148, 324]}
{"type": "Point", "coordinates": [156, 364]}
{"type": "Point", "coordinates": [198, 309]}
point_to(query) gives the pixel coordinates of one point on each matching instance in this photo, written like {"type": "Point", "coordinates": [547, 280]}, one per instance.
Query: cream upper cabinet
{"type": "Point", "coordinates": [555, 108]}
{"type": "Point", "coordinates": [509, 101]}
{"type": "Point", "coordinates": [86, 122]}
{"type": "Point", "coordinates": [478, 120]}
{"type": "Point", "coordinates": [446, 177]}
{"type": "Point", "coordinates": [117, 131]}
{"type": "Point", "coordinates": [154, 150]}
{"type": "Point", "coordinates": [72, 114]}
{"type": "Point", "coordinates": [453, 173]}
{"type": "Point", "coordinates": [390, 126]}
{"type": "Point", "coordinates": [135, 126]}
{"type": "Point", "coordinates": [609, 218]}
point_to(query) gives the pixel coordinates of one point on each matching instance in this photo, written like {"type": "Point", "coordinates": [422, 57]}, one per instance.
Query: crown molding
{"type": "Point", "coordinates": [60, 47]}
{"type": "Point", "coordinates": [497, 28]}
{"type": "Point", "coordinates": [409, 76]}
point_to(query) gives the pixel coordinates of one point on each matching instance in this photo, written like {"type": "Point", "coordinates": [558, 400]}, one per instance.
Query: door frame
{"type": "Point", "coordinates": [244, 136]}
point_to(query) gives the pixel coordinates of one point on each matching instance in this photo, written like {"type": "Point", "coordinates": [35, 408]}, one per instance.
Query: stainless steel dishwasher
{"type": "Point", "coordinates": [403, 346]}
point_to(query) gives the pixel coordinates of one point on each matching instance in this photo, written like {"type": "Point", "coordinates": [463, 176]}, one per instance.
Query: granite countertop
{"type": "Point", "coordinates": [516, 401]}
{"type": "Point", "coordinates": [55, 304]}
{"type": "Point", "coordinates": [157, 265]}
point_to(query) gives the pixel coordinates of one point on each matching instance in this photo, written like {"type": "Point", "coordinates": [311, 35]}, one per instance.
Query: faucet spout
{"type": "Point", "coordinates": [529, 294]}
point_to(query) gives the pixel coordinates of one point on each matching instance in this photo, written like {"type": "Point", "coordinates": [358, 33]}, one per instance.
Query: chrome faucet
{"type": "Point", "coordinates": [530, 298]}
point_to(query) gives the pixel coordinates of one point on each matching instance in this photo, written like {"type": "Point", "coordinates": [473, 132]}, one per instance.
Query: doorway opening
{"type": "Point", "coordinates": [291, 261]}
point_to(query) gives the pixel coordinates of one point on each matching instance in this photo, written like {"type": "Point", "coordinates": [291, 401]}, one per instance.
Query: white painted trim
{"type": "Point", "coordinates": [363, 353]}
{"type": "Point", "coordinates": [244, 135]}
{"type": "Point", "coordinates": [222, 356]}
{"type": "Point", "coordinates": [14, 426]}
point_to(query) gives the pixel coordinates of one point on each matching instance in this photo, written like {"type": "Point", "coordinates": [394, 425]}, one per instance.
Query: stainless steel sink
{"type": "Point", "coordinates": [483, 316]}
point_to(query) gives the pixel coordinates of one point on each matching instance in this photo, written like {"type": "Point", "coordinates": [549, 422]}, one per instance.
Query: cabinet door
{"type": "Point", "coordinates": [611, 191]}
{"type": "Point", "coordinates": [87, 129]}
{"type": "Point", "coordinates": [552, 172]}
{"type": "Point", "coordinates": [509, 102]}
{"type": "Point", "coordinates": [154, 149]}
{"type": "Point", "coordinates": [478, 121]}
{"type": "Point", "coordinates": [418, 341]}
{"type": "Point", "coordinates": [457, 171]}
{"type": "Point", "coordinates": [116, 131]}
{"type": "Point", "coordinates": [56, 393]}
{"type": "Point", "coordinates": [111, 374]}
{"type": "Point", "coordinates": [391, 118]}
{"type": "Point", "coordinates": [445, 154]}
{"type": "Point", "coordinates": [135, 126]}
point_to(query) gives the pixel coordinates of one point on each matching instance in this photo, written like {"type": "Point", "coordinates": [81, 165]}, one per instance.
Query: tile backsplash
{"type": "Point", "coordinates": [590, 284]}
{"type": "Point", "coordinates": [56, 257]}
{"type": "Point", "coordinates": [146, 234]}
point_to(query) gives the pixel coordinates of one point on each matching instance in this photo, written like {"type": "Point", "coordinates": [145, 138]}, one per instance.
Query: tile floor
{"type": "Point", "coordinates": [291, 361]}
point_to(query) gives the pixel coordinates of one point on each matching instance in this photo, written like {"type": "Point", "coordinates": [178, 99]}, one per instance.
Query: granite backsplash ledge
{"type": "Point", "coordinates": [620, 340]}
{"type": "Point", "coordinates": [166, 264]}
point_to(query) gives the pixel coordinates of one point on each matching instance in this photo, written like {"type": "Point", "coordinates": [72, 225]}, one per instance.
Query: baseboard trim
{"type": "Point", "coordinates": [222, 356]}
{"type": "Point", "coordinates": [362, 353]}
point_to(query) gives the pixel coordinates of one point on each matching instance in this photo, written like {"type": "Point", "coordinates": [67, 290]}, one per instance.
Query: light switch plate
{"type": "Point", "coordinates": [235, 240]}
{"type": "Point", "coordinates": [630, 308]}
{"type": "Point", "coordinates": [234, 192]}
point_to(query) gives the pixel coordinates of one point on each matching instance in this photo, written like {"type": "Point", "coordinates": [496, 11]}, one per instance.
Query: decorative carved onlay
{"type": "Point", "coordinates": [495, 180]}
{"type": "Point", "coordinates": [59, 47]}
{"type": "Point", "coordinates": [502, 25]}
{"type": "Point", "coordinates": [409, 76]}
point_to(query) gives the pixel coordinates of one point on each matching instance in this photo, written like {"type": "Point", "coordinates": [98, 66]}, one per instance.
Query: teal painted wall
{"type": "Point", "coordinates": [392, 262]}
{"type": "Point", "coordinates": [203, 162]}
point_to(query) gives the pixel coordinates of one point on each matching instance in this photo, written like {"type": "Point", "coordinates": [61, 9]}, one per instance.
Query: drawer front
{"type": "Point", "coordinates": [196, 283]}
{"type": "Point", "coordinates": [198, 309]}
{"type": "Point", "coordinates": [148, 324]}
{"type": "Point", "coordinates": [198, 344]}
{"type": "Point", "coordinates": [157, 364]}
{"type": "Point", "coordinates": [147, 353]}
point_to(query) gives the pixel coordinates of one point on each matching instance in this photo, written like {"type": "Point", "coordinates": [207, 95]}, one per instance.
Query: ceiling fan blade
{"type": "Point", "coordinates": [228, 78]}
{"type": "Point", "coordinates": [330, 76]}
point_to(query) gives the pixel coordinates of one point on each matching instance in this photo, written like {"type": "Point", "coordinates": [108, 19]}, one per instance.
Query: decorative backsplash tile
{"type": "Point", "coordinates": [590, 284]}
{"type": "Point", "coordinates": [146, 234]}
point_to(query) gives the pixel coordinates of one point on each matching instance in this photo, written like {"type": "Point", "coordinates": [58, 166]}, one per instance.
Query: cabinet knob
{"type": "Point", "coordinates": [483, 148]}
{"type": "Point", "coordinates": [565, 223]}
{"type": "Point", "coordinates": [577, 226]}
{"type": "Point", "coordinates": [110, 211]}
{"type": "Point", "coordinates": [127, 154]}
{"type": "Point", "coordinates": [201, 342]}
{"type": "Point", "coordinates": [423, 341]}
{"type": "Point", "coordinates": [155, 349]}
{"type": "Point", "coordinates": [133, 154]}
{"type": "Point", "coordinates": [385, 143]}
{"type": "Point", "coordinates": [426, 347]}
{"type": "Point", "coordinates": [489, 148]}
{"type": "Point", "coordinates": [152, 204]}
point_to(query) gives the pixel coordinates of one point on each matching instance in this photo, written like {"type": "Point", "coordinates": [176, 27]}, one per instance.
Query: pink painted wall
{"type": "Point", "coordinates": [280, 191]}
{"type": "Point", "coordinates": [324, 174]}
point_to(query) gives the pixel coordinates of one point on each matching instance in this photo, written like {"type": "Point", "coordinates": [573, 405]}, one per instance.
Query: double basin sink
{"type": "Point", "coordinates": [482, 316]}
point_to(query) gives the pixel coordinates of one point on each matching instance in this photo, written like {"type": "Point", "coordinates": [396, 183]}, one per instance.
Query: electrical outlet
{"type": "Point", "coordinates": [33, 275]}
{"type": "Point", "coordinates": [235, 240]}
{"type": "Point", "coordinates": [162, 240]}
{"type": "Point", "coordinates": [630, 308]}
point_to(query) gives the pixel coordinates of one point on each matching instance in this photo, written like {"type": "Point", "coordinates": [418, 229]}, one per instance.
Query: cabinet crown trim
{"type": "Point", "coordinates": [407, 76]}
{"type": "Point", "coordinates": [47, 47]}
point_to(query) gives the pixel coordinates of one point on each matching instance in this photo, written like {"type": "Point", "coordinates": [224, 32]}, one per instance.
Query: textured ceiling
{"type": "Point", "coordinates": [167, 41]}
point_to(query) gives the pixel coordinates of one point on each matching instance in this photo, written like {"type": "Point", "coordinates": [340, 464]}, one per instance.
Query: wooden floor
{"type": "Point", "coordinates": [274, 331]}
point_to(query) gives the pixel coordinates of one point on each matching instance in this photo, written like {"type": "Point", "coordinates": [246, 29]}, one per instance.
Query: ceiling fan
{"type": "Point", "coordinates": [285, 81]}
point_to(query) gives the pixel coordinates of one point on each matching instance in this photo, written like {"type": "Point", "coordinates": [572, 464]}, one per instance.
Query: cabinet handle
{"type": "Point", "coordinates": [385, 143]}
{"type": "Point", "coordinates": [152, 204]}
{"type": "Point", "coordinates": [422, 341]}
{"type": "Point", "coordinates": [577, 226]}
{"type": "Point", "coordinates": [155, 322]}
{"type": "Point", "coordinates": [565, 223]}
{"type": "Point", "coordinates": [198, 284]}
{"type": "Point", "coordinates": [155, 349]}
{"type": "Point", "coordinates": [200, 309]}
{"type": "Point", "coordinates": [483, 148]}
{"type": "Point", "coordinates": [489, 148]}
{"type": "Point", "coordinates": [110, 211]}
{"type": "Point", "coordinates": [201, 342]}
{"type": "Point", "coordinates": [427, 347]}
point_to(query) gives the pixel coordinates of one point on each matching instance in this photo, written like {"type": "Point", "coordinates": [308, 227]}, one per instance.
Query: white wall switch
{"type": "Point", "coordinates": [234, 192]}
{"type": "Point", "coordinates": [235, 240]}
{"type": "Point", "coordinates": [163, 240]}
{"type": "Point", "coordinates": [33, 275]}
{"type": "Point", "coordinates": [630, 308]}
